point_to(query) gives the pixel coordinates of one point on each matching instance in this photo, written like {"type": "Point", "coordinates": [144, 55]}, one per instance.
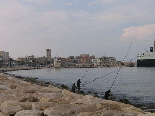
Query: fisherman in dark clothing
{"type": "Point", "coordinates": [73, 88]}
{"type": "Point", "coordinates": [78, 84]}
{"type": "Point", "coordinates": [107, 93]}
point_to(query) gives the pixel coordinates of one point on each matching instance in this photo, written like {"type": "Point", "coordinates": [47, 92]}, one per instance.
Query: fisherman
{"type": "Point", "coordinates": [107, 93]}
{"type": "Point", "coordinates": [73, 88]}
{"type": "Point", "coordinates": [78, 84]}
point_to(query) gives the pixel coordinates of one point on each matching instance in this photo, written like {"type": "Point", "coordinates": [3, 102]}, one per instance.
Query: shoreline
{"type": "Point", "coordinates": [31, 68]}
{"type": "Point", "coordinates": [33, 94]}
{"type": "Point", "coordinates": [150, 108]}
{"type": "Point", "coordinates": [147, 107]}
{"type": "Point", "coordinates": [18, 68]}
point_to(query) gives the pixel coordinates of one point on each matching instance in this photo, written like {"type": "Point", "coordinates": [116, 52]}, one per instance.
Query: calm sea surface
{"type": "Point", "coordinates": [133, 83]}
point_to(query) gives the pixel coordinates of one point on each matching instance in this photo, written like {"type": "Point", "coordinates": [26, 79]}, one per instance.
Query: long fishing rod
{"type": "Point", "coordinates": [99, 78]}
{"type": "Point", "coordinates": [116, 70]}
{"type": "Point", "coordinates": [110, 72]}
{"type": "Point", "coordinates": [123, 60]}
{"type": "Point", "coordinates": [84, 74]}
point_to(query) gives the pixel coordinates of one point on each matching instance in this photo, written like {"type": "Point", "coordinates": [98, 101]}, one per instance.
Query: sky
{"type": "Point", "coordinates": [74, 27]}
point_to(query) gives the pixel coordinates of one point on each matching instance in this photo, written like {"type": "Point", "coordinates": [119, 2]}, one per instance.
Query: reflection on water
{"type": "Point", "coordinates": [133, 83]}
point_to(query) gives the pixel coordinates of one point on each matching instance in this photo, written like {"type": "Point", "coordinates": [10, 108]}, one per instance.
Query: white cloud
{"type": "Point", "coordinates": [94, 2]}
{"type": "Point", "coordinates": [38, 1]}
{"type": "Point", "coordinates": [27, 28]}
{"type": "Point", "coordinates": [141, 32]}
{"type": "Point", "coordinates": [68, 3]}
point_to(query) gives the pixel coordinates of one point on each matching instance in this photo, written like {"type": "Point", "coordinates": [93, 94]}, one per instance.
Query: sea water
{"type": "Point", "coordinates": [134, 83]}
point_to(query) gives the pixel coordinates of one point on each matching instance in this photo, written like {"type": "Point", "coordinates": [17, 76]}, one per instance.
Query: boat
{"type": "Point", "coordinates": [147, 59]}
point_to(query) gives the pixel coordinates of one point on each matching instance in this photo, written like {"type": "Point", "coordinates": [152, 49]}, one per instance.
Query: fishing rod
{"type": "Point", "coordinates": [124, 59]}
{"type": "Point", "coordinates": [99, 78]}
{"type": "Point", "coordinates": [116, 70]}
{"type": "Point", "coordinates": [84, 74]}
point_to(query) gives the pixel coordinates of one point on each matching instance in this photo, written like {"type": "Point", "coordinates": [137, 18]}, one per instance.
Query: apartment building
{"type": "Point", "coordinates": [96, 61]}
{"type": "Point", "coordinates": [57, 62]}
{"type": "Point", "coordinates": [4, 56]}
{"type": "Point", "coordinates": [84, 58]}
{"type": "Point", "coordinates": [106, 61]}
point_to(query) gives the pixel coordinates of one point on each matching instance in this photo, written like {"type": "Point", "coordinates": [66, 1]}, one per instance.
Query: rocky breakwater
{"type": "Point", "coordinates": [21, 98]}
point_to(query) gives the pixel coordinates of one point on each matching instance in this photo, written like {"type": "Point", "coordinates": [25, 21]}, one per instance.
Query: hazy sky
{"type": "Point", "coordinates": [74, 27]}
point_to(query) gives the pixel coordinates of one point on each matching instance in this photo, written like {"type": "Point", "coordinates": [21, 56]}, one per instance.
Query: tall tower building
{"type": "Point", "coordinates": [154, 45]}
{"type": "Point", "coordinates": [48, 53]}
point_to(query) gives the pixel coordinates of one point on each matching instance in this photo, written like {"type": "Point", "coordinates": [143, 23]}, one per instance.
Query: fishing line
{"type": "Point", "coordinates": [84, 74]}
{"type": "Point", "coordinates": [124, 60]}
{"type": "Point", "coordinates": [99, 78]}
{"type": "Point", "coordinates": [117, 71]}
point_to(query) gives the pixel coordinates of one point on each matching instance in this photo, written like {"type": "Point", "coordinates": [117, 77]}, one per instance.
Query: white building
{"type": "Point", "coordinates": [112, 61]}
{"type": "Point", "coordinates": [57, 62]}
{"type": "Point", "coordinates": [96, 61]}
{"type": "Point", "coordinates": [4, 55]}
{"type": "Point", "coordinates": [108, 61]}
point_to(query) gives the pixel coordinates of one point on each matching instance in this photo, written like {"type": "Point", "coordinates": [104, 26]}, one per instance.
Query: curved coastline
{"type": "Point", "coordinates": [44, 99]}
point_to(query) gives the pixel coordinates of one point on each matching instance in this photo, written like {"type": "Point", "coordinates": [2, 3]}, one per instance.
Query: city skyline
{"type": "Point", "coordinates": [70, 28]}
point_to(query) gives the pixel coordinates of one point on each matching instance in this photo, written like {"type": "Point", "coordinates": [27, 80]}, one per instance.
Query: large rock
{"type": "Point", "coordinates": [106, 113]}
{"type": "Point", "coordinates": [70, 96]}
{"type": "Point", "coordinates": [87, 99]}
{"type": "Point", "coordinates": [10, 107]}
{"type": "Point", "coordinates": [29, 99]}
{"type": "Point", "coordinates": [50, 89]}
{"type": "Point", "coordinates": [3, 114]}
{"type": "Point", "coordinates": [52, 95]}
{"type": "Point", "coordinates": [26, 105]}
{"type": "Point", "coordinates": [69, 109]}
{"type": "Point", "coordinates": [42, 106]}
{"type": "Point", "coordinates": [3, 87]}
{"type": "Point", "coordinates": [53, 101]}
{"type": "Point", "coordinates": [13, 86]}
{"type": "Point", "coordinates": [119, 107]}
{"type": "Point", "coordinates": [5, 97]}
{"type": "Point", "coordinates": [29, 113]}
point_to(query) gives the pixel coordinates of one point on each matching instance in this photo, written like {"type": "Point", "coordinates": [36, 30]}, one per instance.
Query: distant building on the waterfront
{"type": "Point", "coordinates": [26, 61]}
{"type": "Point", "coordinates": [57, 62]}
{"type": "Point", "coordinates": [112, 61]}
{"type": "Point", "coordinates": [108, 61]}
{"type": "Point", "coordinates": [4, 56]}
{"type": "Point", "coordinates": [41, 61]}
{"type": "Point", "coordinates": [96, 61]}
{"type": "Point", "coordinates": [92, 57]}
{"type": "Point", "coordinates": [84, 58]}
{"type": "Point", "coordinates": [48, 54]}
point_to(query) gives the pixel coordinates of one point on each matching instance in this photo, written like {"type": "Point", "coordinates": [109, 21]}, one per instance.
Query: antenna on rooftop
{"type": "Point", "coordinates": [56, 54]}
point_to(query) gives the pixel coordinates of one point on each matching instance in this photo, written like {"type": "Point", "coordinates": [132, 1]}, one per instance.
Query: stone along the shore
{"type": "Point", "coordinates": [21, 98]}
